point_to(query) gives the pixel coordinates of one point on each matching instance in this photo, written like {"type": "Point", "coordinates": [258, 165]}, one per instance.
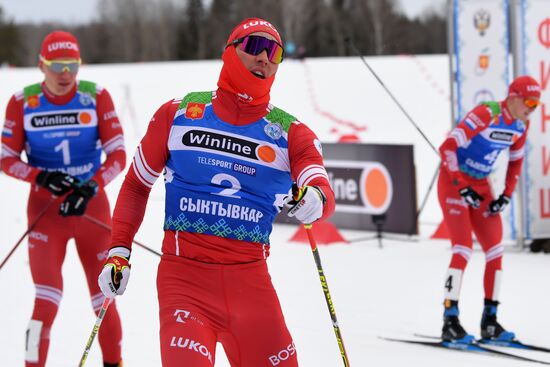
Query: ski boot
{"type": "Point", "coordinates": [452, 329]}
{"type": "Point", "coordinates": [119, 364]}
{"type": "Point", "coordinates": [490, 328]}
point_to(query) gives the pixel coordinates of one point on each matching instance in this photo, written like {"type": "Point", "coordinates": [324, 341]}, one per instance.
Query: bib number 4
{"type": "Point", "coordinates": [491, 157]}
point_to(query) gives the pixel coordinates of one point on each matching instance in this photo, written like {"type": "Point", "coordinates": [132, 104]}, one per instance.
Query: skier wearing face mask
{"type": "Point", "coordinates": [229, 159]}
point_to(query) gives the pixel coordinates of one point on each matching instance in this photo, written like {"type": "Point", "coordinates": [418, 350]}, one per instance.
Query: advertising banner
{"type": "Point", "coordinates": [480, 53]}
{"type": "Point", "coordinates": [481, 71]}
{"type": "Point", "coordinates": [372, 181]}
{"type": "Point", "coordinates": [534, 59]}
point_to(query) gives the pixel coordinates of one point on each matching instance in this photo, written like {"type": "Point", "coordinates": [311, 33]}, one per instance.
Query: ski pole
{"type": "Point", "coordinates": [107, 227]}
{"type": "Point", "coordinates": [391, 95]}
{"type": "Point", "coordinates": [100, 316]}
{"type": "Point", "coordinates": [297, 194]}
{"type": "Point", "coordinates": [425, 200]}
{"type": "Point", "coordinates": [29, 229]}
{"type": "Point", "coordinates": [326, 292]}
{"type": "Point", "coordinates": [406, 115]}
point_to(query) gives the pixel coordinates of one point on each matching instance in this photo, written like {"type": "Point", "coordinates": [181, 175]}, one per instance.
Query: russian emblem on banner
{"type": "Point", "coordinates": [482, 21]}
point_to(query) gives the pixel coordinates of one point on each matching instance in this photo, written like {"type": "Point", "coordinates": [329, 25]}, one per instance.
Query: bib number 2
{"type": "Point", "coordinates": [230, 191]}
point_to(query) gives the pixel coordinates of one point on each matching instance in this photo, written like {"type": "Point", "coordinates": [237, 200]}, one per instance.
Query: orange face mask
{"type": "Point", "coordinates": [237, 79]}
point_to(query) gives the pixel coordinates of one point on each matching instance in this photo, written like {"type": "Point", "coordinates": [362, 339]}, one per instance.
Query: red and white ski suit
{"type": "Point", "coordinates": [48, 240]}
{"type": "Point", "coordinates": [215, 289]}
{"type": "Point", "coordinates": [481, 130]}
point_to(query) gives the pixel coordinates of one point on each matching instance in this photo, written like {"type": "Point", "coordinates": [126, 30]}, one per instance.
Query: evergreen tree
{"type": "Point", "coordinates": [9, 41]}
{"type": "Point", "coordinates": [191, 32]}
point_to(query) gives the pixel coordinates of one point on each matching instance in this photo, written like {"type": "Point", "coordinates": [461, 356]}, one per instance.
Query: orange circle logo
{"type": "Point", "coordinates": [266, 153]}
{"type": "Point", "coordinates": [84, 118]}
{"type": "Point", "coordinates": [376, 187]}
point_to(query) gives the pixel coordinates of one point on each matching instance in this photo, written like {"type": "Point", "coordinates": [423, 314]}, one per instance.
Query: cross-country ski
{"type": "Point", "coordinates": [473, 347]}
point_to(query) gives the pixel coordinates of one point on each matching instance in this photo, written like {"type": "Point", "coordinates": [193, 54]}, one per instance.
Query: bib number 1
{"type": "Point", "coordinates": [64, 148]}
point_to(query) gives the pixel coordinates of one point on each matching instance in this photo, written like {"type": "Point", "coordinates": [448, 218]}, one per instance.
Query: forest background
{"type": "Point", "coordinates": [157, 30]}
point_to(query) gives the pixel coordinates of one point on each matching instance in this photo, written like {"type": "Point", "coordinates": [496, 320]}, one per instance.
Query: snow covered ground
{"type": "Point", "coordinates": [394, 291]}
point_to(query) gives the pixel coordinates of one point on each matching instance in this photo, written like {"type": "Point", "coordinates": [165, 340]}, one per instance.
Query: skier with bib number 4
{"type": "Point", "coordinates": [229, 159]}
{"type": "Point", "coordinates": [467, 201]}
{"type": "Point", "coordinates": [64, 125]}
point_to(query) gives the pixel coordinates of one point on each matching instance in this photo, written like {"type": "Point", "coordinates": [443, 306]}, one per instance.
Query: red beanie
{"type": "Point", "coordinates": [525, 87]}
{"type": "Point", "coordinates": [253, 25]}
{"type": "Point", "coordinates": [60, 45]}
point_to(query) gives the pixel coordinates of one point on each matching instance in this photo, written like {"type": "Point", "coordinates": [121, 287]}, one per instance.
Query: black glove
{"type": "Point", "coordinates": [58, 183]}
{"type": "Point", "coordinates": [498, 205]}
{"type": "Point", "coordinates": [75, 203]}
{"type": "Point", "coordinates": [471, 197]}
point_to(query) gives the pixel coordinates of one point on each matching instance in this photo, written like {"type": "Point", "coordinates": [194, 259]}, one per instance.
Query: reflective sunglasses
{"type": "Point", "coordinates": [531, 103]}
{"type": "Point", "coordinates": [255, 45]}
{"type": "Point", "coordinates": [60, 66]}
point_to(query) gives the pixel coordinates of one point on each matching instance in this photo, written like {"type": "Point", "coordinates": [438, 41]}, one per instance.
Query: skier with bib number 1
{"type": "Point", "coordinates": [64, 125]}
